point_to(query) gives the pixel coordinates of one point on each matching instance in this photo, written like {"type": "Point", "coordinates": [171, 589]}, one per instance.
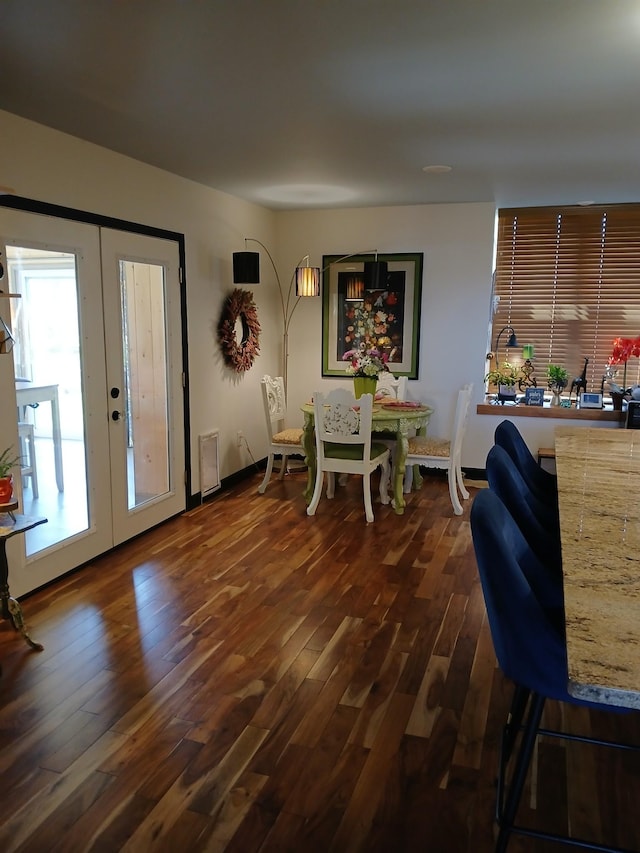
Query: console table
{"type": "Point", "coordinates": [11, 524]}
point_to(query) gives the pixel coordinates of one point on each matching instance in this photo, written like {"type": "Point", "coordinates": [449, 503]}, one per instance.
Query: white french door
{"type": "Point", "coordinates": [143, 350]}
{"type": "Point", "coordinates": [97, 383]}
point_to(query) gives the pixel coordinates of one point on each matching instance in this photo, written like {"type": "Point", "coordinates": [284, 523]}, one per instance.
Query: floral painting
{"type": "Point", "coordinates": [385, 319]}
{"type": "Point", "coordinates": [374, 322]}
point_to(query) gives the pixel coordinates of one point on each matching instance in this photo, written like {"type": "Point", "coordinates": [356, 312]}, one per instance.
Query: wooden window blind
{"type": "Point", "coordinates": [568, 279]}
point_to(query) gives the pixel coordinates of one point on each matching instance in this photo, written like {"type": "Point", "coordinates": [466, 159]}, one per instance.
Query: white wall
{"type": "Point", "coordinates": [457, 242]}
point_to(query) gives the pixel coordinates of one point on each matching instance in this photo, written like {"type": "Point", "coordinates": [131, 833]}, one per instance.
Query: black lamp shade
{"type": "Point", "coordinates": [375, 275]}
{"type": "Point", "coordinates": [246, 268]}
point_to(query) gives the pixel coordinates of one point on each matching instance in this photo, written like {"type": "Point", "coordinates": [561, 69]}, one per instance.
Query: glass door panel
{"type": "Point", "coordinates": [49, 390]}
{"type": "Point", "coordinates": [143, 347]}
{"type": "Point", "coordinates": [58, 385]}
{"type": "Point", "coordinates": [144, 356]}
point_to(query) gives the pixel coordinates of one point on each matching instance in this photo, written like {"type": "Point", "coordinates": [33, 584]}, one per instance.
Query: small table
{"type": "Point", "coordinates": [392, 420]}
{"type": "Point", "coordinates": [28, 394]}
{"type": "Point", "coordinates": [599, 501]}
{"type": "Point", "coordinates": [11, 524]}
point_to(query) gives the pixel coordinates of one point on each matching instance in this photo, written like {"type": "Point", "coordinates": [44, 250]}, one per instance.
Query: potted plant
{"type": "Point", "coordinates": [557, 377]}
{"type": "Point", "coordinates": [7, 463]}
{"type": "Point", "coordinates": [505, 377]}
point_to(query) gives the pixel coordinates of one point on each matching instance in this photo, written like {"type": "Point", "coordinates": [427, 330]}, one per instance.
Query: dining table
{"type": "Point", "coordinates": [598, 471]}
{"type": "Point", "coordinates": [395, 418]}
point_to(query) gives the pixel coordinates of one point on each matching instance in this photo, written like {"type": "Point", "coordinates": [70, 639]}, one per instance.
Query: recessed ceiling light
{"type": "Point", "coordinates": [436, 170]}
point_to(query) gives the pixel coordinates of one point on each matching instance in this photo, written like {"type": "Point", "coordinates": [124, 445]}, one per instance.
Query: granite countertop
{"type": "Point", "coordinates": [599, 497]}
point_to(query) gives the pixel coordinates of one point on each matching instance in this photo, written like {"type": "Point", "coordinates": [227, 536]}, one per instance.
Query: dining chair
{"type": "Point", "coordinates": [283, 442]}
{"type": "Point", "coordinates": [529, 642]}
{"type": "Point", "coordinates": [543, 483]}
{"type": "Point", "coordinates": [443, 453]}
{"type": "Point", "coordinates": [344, 445]}
{"type": "Point", "coordinates": [391, 386]}
{"type": "Point", "coordinates": [538, 520]}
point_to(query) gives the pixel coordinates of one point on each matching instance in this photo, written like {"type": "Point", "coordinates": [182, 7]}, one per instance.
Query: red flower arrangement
{"type": "Point", "coordinates": [623, 349]}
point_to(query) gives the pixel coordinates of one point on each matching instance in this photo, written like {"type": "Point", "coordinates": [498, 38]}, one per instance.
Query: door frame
{"type": "Point", "coordinates": [54, 210]}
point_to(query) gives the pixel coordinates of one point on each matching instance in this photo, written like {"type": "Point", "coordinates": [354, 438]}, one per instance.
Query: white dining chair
{"type": "Point", "coordinates": [391, 386]}
{"type": "Point", "coordinates": [443, 453]}
{"type": "Point", "coordinates": [344, 446]}
{"type": "Point", "coordinates": [283, 442]}
{"type": "Point", "coordinates": [395, 387]}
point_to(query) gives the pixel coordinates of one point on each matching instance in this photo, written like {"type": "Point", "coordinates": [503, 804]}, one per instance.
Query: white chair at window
{"type": "Point", "coordinates": [344, 446]}
{"type": "Point", "coordinates": [392, 386]}
{"type": "Point", "coordinates": [283, 442]}
{"type": "Point", "coordinates": [443, 453]}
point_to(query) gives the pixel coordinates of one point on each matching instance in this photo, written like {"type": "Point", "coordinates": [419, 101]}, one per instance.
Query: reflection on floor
{"type": "Point", "coordinates": [66, 511]}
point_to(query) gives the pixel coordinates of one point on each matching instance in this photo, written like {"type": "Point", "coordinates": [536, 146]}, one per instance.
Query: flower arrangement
{"type": "Point", "coordinates": [366, 362]}
{"type": "Point", "coordinates": [623, 349]}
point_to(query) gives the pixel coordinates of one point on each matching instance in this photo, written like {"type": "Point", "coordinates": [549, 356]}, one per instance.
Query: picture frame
{"type": "Point", "coordinates": [387, 318]}
{"type": "Point", "coordinates": [534, 396]}
{"type": "Point", "coordinates": [590, 400]}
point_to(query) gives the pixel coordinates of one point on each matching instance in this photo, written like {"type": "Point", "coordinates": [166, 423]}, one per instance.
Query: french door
{"type": "Point", "coordinates": [97, 383]}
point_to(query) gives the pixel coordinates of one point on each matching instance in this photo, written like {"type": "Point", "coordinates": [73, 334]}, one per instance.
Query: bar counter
{"type": "Point", "coordinates": [599, 498]}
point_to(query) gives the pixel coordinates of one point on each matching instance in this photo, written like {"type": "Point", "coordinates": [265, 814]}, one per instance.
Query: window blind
{"type": "Point", "coordinates": [568, 279]}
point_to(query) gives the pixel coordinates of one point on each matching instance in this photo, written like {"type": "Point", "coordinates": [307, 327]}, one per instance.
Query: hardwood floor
{"type": "Point", "coordinates": [245, 678]}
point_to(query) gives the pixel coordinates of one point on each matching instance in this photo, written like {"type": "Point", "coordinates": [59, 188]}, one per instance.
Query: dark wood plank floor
{"type": "Point", "coordinates": [245, 678]}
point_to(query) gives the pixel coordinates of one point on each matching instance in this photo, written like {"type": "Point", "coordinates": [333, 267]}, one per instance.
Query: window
{"type": "Point", "coordinates": [568, 281]}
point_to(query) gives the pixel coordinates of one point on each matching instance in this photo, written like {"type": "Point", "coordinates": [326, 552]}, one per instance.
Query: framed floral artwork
{"type": "Point", "coordinates": [365, 315]}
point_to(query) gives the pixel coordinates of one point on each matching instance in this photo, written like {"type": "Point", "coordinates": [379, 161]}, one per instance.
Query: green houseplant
{"type": "Point", "coordinates": [8, 461]}
{"type": "Point", "coordinates": [505, 377]}
{"type": "Point", "coordinates": [505, 374]}
{"type": "Point", "coordinates": [557, 377]}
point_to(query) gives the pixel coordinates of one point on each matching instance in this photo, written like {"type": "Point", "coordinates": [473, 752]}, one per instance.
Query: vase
{"type": "Point", "coordinates": [365, 385]}
{"type": "Point", "coordinates": [616, 398]}
{"type": "Point", "coordinates": [6, 489]}
{"type": "Point", "coordinates": [555, 397]}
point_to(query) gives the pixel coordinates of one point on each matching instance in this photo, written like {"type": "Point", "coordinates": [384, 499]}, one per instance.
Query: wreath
{"type": "Point", "coordinates": [239, 305]}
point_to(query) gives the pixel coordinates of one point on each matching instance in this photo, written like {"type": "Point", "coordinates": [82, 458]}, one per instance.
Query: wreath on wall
{"type": "Point", "coordinates": [239, 305]}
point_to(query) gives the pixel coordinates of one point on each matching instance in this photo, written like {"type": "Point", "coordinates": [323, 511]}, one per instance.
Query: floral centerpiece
{"type": "Point", "coordinates": [365, 365]}
{"type": "Point", "coordinates": [366, 362]}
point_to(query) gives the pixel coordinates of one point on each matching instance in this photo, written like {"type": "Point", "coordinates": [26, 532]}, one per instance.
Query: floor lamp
{"type": "Point", "coordinates": [246, 270]}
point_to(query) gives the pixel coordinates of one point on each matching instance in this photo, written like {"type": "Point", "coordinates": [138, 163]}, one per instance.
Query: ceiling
{"type": "Point", "coordinates": [341, 103]}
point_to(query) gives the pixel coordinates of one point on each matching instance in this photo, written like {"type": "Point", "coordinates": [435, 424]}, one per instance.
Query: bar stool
{"type": "Point", "coordinates": [529, 643]}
